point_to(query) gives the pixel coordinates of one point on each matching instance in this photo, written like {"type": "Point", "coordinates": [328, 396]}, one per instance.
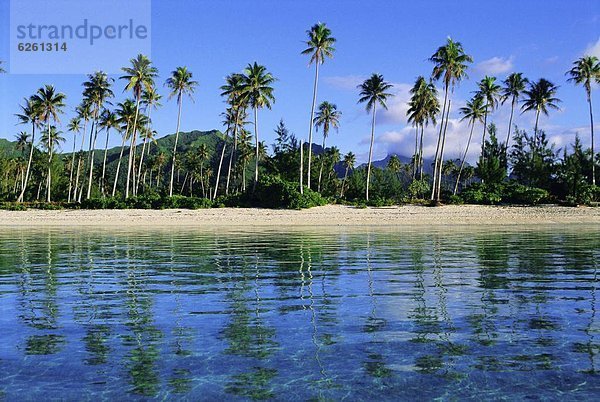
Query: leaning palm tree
{"type": "Point", "coordinates": [74, 127]}
{"type": "Point", "coordinates": [229, 122]}
{"type": "Point", "coordinates": [51, 104]}
{"type": "Point", "coordinates": [140, 76]}
{"type": "Point", "coordinates": [180, 82]}
{"type": "Point", "coordinates": [96, 92]}
{"type": "Point", "coordinates": [319, 46]}
{"type": "Point", "coordinates": [489, 91]}
{"type": "Point", "coordinates": [233, 90]}
{"type": "Point", "coordinates": [373, 92]}
{"type": "Point", "coordinates": [474, 111]}
{"type": "Point", "coordinates": [586, 71]}
{"type": "Point", "coordinates": [450, 65]}
{"type": "Point", "coordinates": [151, 100]}
{"type": "Point", "coordinates": [514, 85]}
{"type": "Point", "coordinates": [328, 117]}
{"type": "Point", "coordinates": [108, 121]}
{"type": "Point", "coordinates": [539, 97]}
{"type": "Point", "coordinates": [126, 114]}
{"type": "Point", "coordinates": [258, 92]}
{"type": "Point", "coordinates": [84, 112]}
{"type": "Point", "coordinates": [30, 114]}
{"type": "Point", "coordinates": [349, 161]}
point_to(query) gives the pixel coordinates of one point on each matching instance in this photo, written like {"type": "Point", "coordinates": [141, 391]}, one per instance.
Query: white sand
{"type": "Point", "coordinates": [331, 216]}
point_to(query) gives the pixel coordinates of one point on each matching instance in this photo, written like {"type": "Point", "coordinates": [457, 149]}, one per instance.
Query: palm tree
{"type": "Point", "coordinates": [96, 92]}
{"type": "Point", "coordinates": [74, 127]}
{"type": "Point", "coordinates": [30, 114]}
{"type": "Point", "coordinates": [327, 117]}
{"type": "Point", "coordinates": [349, 161]}
{"type": "Point", "coordinates": [151, 100]}
{"type": "Point", "coordinates": [539, 97]}
{"type": "Point", "coordinates": [394, 165]}
{"type": "Point", "coordinates": [475, 112]}
{"type": "Point", "coordinates": [84, 112]}
{"type": "Point", "coordinates": [233, 90]}
{"type": "Point", "coordinates": [373, 92]}
{"type": "Point", "coordinates": [140, 76]}
{"type": "Point", "coordinates": [229, 122]}
{"type": "Point", "coordinates": [258, 92]}
{"type": "Point", "coordinates": [51, 104]}
{"type": "Point", "coordinates": [423, 108]}
{"type": "Point", "coordinates": [203, 155]}
{"type": "Point", "coordinates": [586, 71]}
{"type": "Point", "coordinates": [319, 46]}
{"type": "Point", "coordinates": [108, 120]}
{"type": "Point", "coordinates": [514, 85]}
{"type": "Point", "coordinates": [126, 113]}
{"type": "Point", "coordinates": [22, 140]}
{"type": "Point", "coordinates": [489, 91]}
{"type": "Point", "coordinates": [450, 65]}
{"type": "Point", "coordinates": [180, 82]}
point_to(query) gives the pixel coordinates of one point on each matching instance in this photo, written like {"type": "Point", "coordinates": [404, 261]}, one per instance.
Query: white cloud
{"type": "Point", "coordinates": [397, 105]}
{"type": "Point", "coordinates": [593, 49]}
{"type": "Point", "coordinates": [495, 65]}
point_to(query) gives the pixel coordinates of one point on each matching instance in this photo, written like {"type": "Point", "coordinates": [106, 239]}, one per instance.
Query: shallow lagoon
{"type": "Point", "coordinates": [298, 314]}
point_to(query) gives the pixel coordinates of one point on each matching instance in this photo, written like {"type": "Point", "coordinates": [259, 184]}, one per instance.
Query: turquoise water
{"type": "Point", "coordinates": [368, 315]}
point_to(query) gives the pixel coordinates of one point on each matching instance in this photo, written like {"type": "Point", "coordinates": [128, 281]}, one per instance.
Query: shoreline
{"type": "Point", "coordinates": [326, 216]}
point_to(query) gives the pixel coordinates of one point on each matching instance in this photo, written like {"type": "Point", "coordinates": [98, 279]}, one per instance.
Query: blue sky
{"type": "Point", "coordinates": [393, 38]}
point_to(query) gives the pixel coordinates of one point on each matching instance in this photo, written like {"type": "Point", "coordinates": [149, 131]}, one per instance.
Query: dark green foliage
{"type": "Point", "coordinates": [479, 193]}
{"type": "Point", "coordinates": [516, 193]}
{"type": "Point", "coordinates": [491, 167]}
{"type": "Point", "coordinates": [533, 160]}
{"type": "Point", "coordinates": [274, 192]}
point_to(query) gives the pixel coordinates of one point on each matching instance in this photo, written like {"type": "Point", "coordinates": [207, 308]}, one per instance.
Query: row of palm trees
{"type": "Point", "coordinates": [253, 90]}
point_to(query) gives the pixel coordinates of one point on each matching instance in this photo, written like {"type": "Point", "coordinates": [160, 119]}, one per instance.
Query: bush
{"type": "Point", "coordinates": [481, 194]}
{"type": "Point", "coordinates": [49, 206]}
{"type": "Point", "coordinates": [274, 192]}
{"type": "Point", "coordinates": [103, 203]}
{"type": "Point", "coordinates": [519, 194]}
{"type": "Point", "coordinates": [179, 201]}
{"type": "Point", "coordinates": [418, 188]}
{"type": "Point", "coordinates": [380, 202]}
{"type": "Point", "coordinates": [13, 206]}
{"type": "Point", "coordinates": [455, 200]}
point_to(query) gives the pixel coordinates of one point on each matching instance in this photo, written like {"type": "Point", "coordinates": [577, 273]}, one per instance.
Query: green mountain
{"type": "Point", "coordinates": [8, 148]}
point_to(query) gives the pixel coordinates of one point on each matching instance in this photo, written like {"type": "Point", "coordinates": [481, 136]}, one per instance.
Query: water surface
{"type": "Point", "coordinates": [374, 314]}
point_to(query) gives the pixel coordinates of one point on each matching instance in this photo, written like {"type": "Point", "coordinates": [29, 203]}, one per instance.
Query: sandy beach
{"type": "Point", "coordinates": [331, 215]}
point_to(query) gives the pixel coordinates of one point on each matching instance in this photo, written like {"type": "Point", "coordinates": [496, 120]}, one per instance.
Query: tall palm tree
{"type": "Point", "coordinates": [450, 65]}
{"type": "Point", "coordinates": [394, 165]}
{"type": "Point", "coordinates": [126, 113]}
{"type": "Point", "coordinates": [203, 155]}
{"type": "Point", "coordinates": [319, 47]}
{"type": "Point", "coordinates": [22, 141]}
{"type": "Point", "coordinates": [489, 91]}
{"type": "Point", "coordinates": [423, 108]}
{"type": "Point", "coordinates": [30, 114]}
{"type": "Point", "coordinates": [474, 111]}
{"type": "Point", "coordinates": [349, 161]}
{"type": "Point", "coordinates": [258, 92]}
{"type": "Point", "coordinates": [514, 85]}
{"type": "Point", "coordinates": [373, 92]}
{"type": "Point", "coordinates": [180, 82]}
{"type": "Point", "coordinates": [539, 97]}
{"type": "Point", "coordinates": [328, 117]}
{"type": "Point", "coordinates": [229, 122]}
{"type": "Point", "coordinates": [233, 90]}
{"type": "Point", "coordinates": [74, 127]}
{"type": "Point", "coordinates": [97, 92]}
{"type": "Point", "coordinates": [139, 77]}
{"type": "Point", "coordinates": [51, 104]}
{"type": "Point", "coordinates": [84, 112]}
{"type": "Point", "coordinates": [586, 71]}
{"type": "Point", "coordinates": [108, 121]}
{"type": "Point", "coordinates": [151, 100]}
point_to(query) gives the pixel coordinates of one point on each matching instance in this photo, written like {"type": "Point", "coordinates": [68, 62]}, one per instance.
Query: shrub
{"type": "Point", "coordinates": [481, 194]}
{"type": "Point", "coordinates": [455, 200]}
{"type": "Point", "coordinates": [13, 206]}
{"type": "Point", "coordinates": [418, 188]}
{"type": "Point", "coordinates": [380, 202]}
{"type": "Point", "coordinates": [103, 203]}
{"type": "Point", "coordinates": [519, 194]}
{"type": "Point", "coordinates": [274, 192]}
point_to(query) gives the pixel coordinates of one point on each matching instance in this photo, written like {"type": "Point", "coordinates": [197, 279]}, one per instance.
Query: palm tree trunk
{"type": "Point", "coordinates": [462, 163]}
{"type": "Point", "coordinates": [180, 101]}
{"type": "Point", "coordinates": [131, 146]}
{"type": "Point", "coordinates": [301, 166]}
{"type": "Point", "coordinates": [114, 190]}
{"type": "Point", "coordinates": [535, 130]}
{"type": "Point", "coordinates": [76, 194]}
{"type": "Point", "coordinates": [22, 195]}
{"type": "Point", "coordinates": [322, 163]}
{"type": "Point", "coordinates": [72, 168]}
{"type": "Point", "coordinates": [421, 153]}
{"type": "Point", "coordinates": [93, 149]}
{"type": "Point", "coordinates": [344, 182]}
{"type": "Point", "coordinates": [235, 127]}
{"type": "Point", "coordinates": [220, 164]}
{"type": "Point", "coordinates": [439, 143]}
{"type": "Point", "coordinates": [104, 164]}
{"type": "Point", "coordinates": [202, 180]}
{"type": "Point", "coordinates": [49, 178]}
{"type": "Point", "coordinates": [257, 143]}
{"type": "Point", "coordinates": [312, 114]}
{"type": "Point", "coordinates": [592, 143]}
{"type": "Point", "coordinates": [370, 152]}
{"type": "Point", "coordinates": [440, 170]}
{"type": "Point", "coordinates": [512, 109]}
{"type": "Point", "coordinates": [139, 174]}
{"type": "Point", "coordinates": [416, 153]}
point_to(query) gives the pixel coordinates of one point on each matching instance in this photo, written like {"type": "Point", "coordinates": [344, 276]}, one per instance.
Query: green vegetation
{"type": "Point", "coordinates": [212, 169]}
